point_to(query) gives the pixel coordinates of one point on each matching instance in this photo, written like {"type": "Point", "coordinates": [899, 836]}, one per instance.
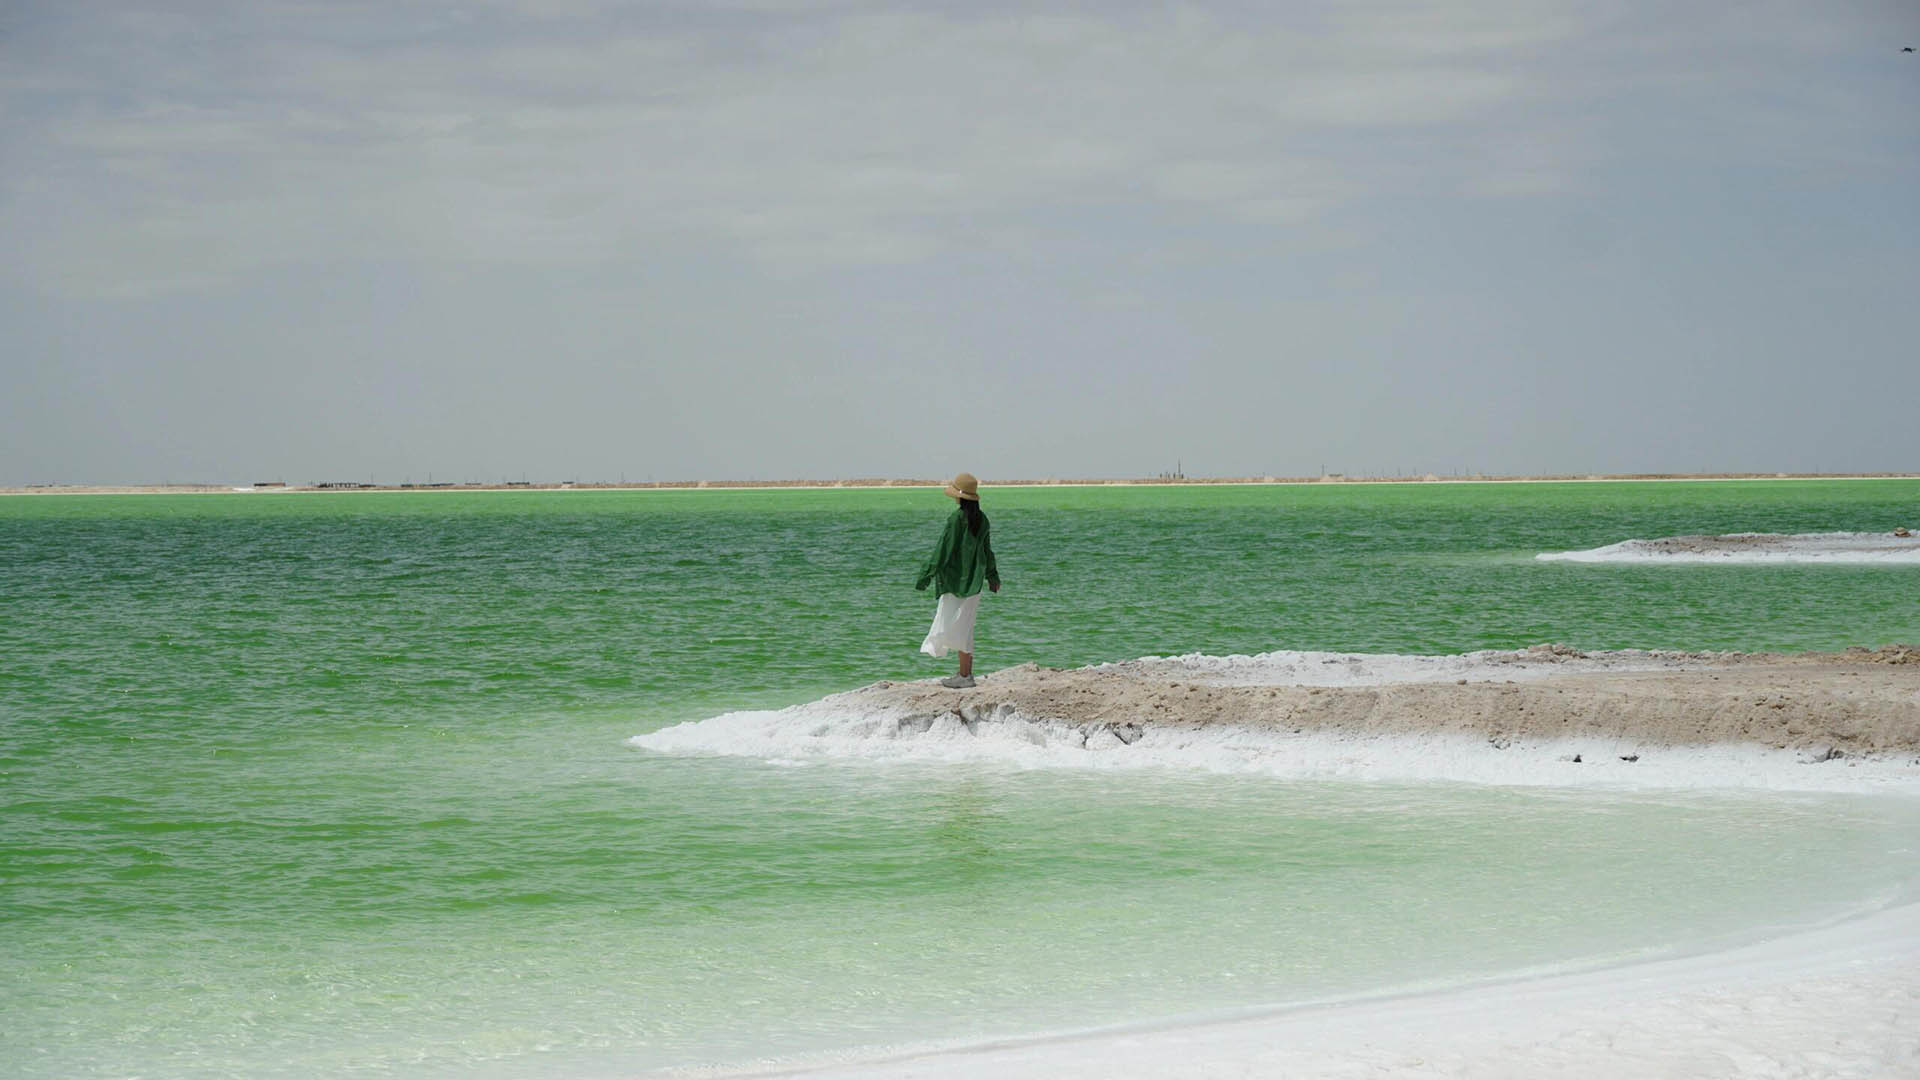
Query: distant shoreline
{"type": "Point", "coordinates": [875, 483]}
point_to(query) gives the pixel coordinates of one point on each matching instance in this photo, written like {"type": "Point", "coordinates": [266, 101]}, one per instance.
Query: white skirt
{"type": "Point", "coordinates": [952, 625]}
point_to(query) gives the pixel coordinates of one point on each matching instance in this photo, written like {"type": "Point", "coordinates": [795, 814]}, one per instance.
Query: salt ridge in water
{"type": "Point", "coordinates": [1835, 547]}
{"type": "Point", "coordinates": [842, 727]}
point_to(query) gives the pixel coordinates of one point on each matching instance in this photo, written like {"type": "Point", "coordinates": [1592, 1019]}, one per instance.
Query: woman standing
{"type": "Point", "coordinates": [961, 562]}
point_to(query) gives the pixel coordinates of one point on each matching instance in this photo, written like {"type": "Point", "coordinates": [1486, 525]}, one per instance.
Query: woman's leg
{"type": "Point", "coordinates": [966, 665]}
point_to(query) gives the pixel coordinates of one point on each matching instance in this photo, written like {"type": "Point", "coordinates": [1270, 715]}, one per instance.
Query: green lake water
{"type": "Point", "coordinates": [332, 785]}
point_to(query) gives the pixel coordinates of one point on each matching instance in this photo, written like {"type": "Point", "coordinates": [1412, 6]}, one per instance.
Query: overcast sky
{"type": "Point", "coordinates": [325, 239]}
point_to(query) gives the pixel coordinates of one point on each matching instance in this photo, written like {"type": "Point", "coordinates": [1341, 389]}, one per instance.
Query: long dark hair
{"type": "Point", "coordinates": [975, 519]}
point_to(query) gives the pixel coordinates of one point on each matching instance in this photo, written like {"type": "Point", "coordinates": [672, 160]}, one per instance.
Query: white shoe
{"type": "Point", "coordinates": [957, 682]}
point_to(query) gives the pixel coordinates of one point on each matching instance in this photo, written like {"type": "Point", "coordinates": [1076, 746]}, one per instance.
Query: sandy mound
{"type": "Point", "coordinates": [1861, 702]}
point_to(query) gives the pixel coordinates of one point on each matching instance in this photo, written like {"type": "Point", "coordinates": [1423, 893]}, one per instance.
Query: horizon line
{"type": "Point", "coordinates": [870, 483]}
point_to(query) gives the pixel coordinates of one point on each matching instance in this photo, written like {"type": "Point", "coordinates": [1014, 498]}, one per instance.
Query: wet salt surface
{"type": "Point", "coordinates": [1841, 1001]}
{"type": "Point", "coordinates": [821, 732]}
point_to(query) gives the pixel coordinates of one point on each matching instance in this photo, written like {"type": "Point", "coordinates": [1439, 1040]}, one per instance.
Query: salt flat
{"type": "Point", "coordinates": [1841, 1000]}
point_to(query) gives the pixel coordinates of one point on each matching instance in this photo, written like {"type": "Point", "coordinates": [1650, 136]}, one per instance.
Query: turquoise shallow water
{"type": "Point", "coordinates": [331, 785]}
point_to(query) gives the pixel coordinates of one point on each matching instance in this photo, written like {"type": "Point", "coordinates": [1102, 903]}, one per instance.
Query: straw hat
{"type": "Point", "coordinates": [964, 486]}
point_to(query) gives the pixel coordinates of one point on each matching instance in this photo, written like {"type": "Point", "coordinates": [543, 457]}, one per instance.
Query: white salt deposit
{"type": "Point", "coordinates": [820, 732]}
{"type": "Point", "coordinates": [1294, 668]}
{"type": "Point", "coordinates": [1836, 547]}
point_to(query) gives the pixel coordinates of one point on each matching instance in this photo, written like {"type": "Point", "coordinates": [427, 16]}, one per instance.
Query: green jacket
{"type": "Point", "coordinates": [961, 562]}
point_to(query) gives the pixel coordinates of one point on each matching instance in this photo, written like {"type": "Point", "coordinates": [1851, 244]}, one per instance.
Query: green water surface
{"type": "Point", "coordinates": [317, 785]}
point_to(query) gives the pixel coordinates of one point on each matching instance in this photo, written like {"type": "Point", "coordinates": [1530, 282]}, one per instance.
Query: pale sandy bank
{"type": "Point", "coordinates": [1834, 705]}
{"type": "Point", "coordinates": [1548, 715]}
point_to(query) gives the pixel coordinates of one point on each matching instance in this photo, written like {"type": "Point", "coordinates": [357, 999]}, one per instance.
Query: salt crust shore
{"type": "Point", "coordinates": [1838, 1001]}
{"type": "Point", "coordinates": [1842, 1001]}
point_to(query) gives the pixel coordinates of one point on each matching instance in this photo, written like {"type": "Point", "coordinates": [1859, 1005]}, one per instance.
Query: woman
{"type": "Point", "coordinates": [961, 562]}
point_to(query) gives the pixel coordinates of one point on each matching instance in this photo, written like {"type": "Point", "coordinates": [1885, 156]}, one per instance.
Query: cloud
{"type": "Point", "coordinates": [151, 150]}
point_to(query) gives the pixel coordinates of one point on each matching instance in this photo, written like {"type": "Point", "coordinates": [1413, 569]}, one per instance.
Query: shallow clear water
{"type": "Point", "coordinates": [324, 785]}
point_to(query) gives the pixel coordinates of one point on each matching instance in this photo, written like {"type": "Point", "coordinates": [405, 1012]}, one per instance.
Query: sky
{"type": "Point", "coordinates": [412, 240]}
